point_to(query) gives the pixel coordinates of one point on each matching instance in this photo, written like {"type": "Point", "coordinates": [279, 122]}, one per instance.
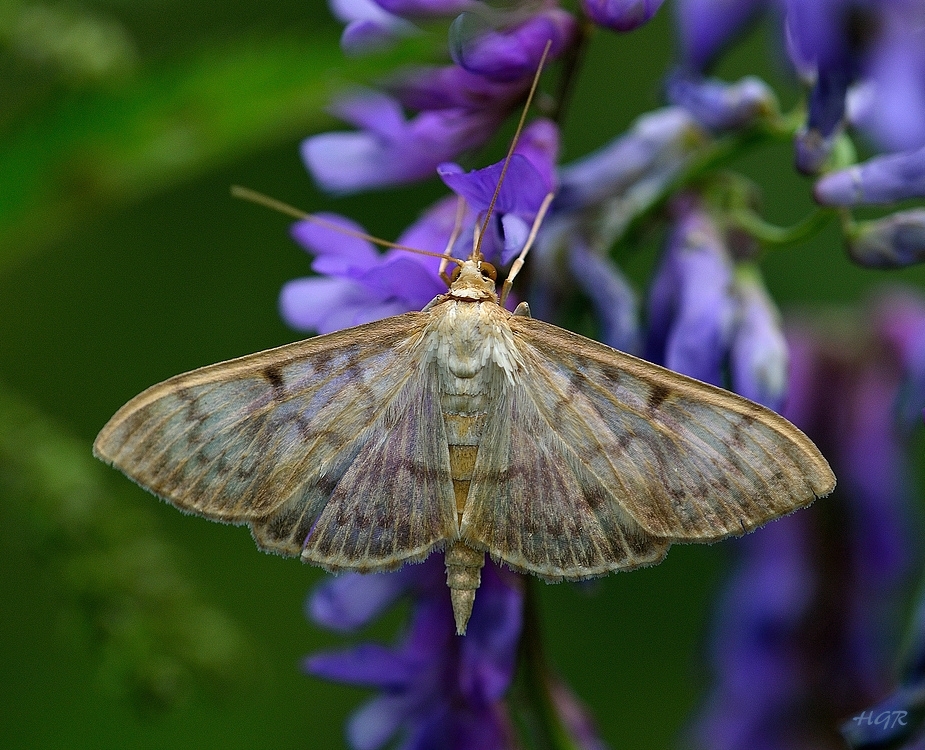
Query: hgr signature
{"type": "Point", "coordinates": [885, 719]}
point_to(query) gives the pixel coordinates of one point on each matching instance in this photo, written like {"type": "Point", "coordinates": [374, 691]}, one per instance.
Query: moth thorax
{"type": "Point", "coordinates": [463, 576]}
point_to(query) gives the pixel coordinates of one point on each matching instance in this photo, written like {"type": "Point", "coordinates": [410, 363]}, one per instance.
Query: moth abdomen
{"type": "Point", "coordinates": [463, 577]}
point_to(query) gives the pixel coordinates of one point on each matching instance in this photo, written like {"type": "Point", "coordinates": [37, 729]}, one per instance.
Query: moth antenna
{"type": "Point", "coordinates": [284, 208]}
{"type": "Point", "coordinates": [477, 251]}
{"type": "Point", "coordinates": [454, 235]}
{"type": "Point", "coordinates": [519, 261]}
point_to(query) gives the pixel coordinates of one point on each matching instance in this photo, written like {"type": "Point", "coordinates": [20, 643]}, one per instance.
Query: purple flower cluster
{"type": "Point", "coordinates": [709, 314]}
{"type": "Point", "coordinates": [863, 62]}
{"type": "Point", "coordinates": [436, 690]}
{"type": "Point", "coordinates": [356, 284]}
{"type": "Point", "coordinates": [454, 108]}
{"type": "Point", "coordinates": [800, 641]}
{"type": "Point", "coordinates": [804, 632]}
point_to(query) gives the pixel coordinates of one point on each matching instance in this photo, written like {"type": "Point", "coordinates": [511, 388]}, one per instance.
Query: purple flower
{"type": "Point", "coordinates": [758, 351]}
{"type": "Point", "coordinates": [513, 53]}
{"type": "Point", "coordinates": [900, 323]}
{"type": "Point", "coordinates": [707, 27]}
{"type": "Point", "coordinates": [389, 149]}
{"type": "Point", "coordinates": [754, 648]}
{"type": "Point", "coordinates": [804, 631]}
{"type": "Point", "coordinates": [721, 106]}
{"type": "Point", "coordinates": [611, 295]}
{"type": "Point", "coordinates": [896, 72]}
{"type": "Point", "coordinates": [825, 44]}
{"type": "Point", "coordinates": [424, 8]}
{"type": "Point", "coordinates": [358, 284]}
{"type": "Point", "coordinates": [436, 689]}
{"type": "Point", "coordinates": [883, 179]}
{"type": "Point", "coordinates": [621, 15]}
{"type": "Point", "coordinates": [655, 148]}
{"type": "Point", "coordinates": [690, 303]}
{"type": "Point", "coordinates": [368, 27]}
{"type": "Point", "coordinates": [529, 179]}
{"type": "Point", "coordinates": [450, 87]}
{"type": "Point", "coordinates": [894, 241]}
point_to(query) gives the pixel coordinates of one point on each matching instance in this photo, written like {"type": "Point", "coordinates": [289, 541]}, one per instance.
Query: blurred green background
{"type": "Point", "coordinates": [123, 261]}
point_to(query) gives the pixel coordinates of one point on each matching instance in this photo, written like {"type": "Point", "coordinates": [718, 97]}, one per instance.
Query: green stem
{"type": "Point", "coordinates": [539, 721]}
{"type": "Point", "coordinates": [714, 155]}
{"type": "Point", "coordinates": [771, 234]}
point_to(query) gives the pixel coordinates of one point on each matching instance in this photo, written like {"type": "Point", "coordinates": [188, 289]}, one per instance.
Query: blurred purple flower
{"type": "Point", "coordinates": [451, 87]}
{"type": "Point", "coordinates": [894, 241]}
{"type": "Point", "coordinates": [721, 106]}
{"type": "Point", "coordinates": [828, 41]}
{"type": "Point", "coordinates": [895, 115]}
{"type": "Point", "coordinates": [690, 301]}
{"type": "Point", "coordinates": [621, 15]}
{"type": "Point", "coordinates": [611, 295]}
{"type": "Point", "coordinates": [883, 179]}
{"type": "Point", "coordinates": [754, 649]}
{"type": "Point", "coordinates": [707, 27]}
{"type": "Point", "coordinates": [424, 8]}
{"type": "Point", "coordinates": [758, 351]}
{"type": "Point", "coordinates": [900, 323]}
{"type": "Point", "coordinates": [512, 53]}
{"type": "Point", "coordinates": [437, 689]}
{"type": "Point", "coordinates": [656, 147]}
{"type": "Point", "coordinates": [389, 149]}
{"type": "Point", "coordinates": [803, 632]}
{"type": "Point", "coordinates": [368, 26]}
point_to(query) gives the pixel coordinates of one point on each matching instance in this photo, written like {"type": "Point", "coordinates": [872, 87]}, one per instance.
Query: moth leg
{"type": "Point", "coordinates": [519, 262]}
{"type": "Point", "coordinates": [522, 310]}
{"type": "Point", "coordinates": [432, 303]}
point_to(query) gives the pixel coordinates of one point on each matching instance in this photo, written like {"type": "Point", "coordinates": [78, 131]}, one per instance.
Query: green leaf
{"type": "Point", "coordinates": [94, 149]}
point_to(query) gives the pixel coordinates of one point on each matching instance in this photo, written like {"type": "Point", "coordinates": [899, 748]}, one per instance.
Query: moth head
{"type": "Point", "coordinates": [474, 279]}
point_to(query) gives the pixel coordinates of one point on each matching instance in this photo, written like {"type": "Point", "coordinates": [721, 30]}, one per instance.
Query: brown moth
{"type": "Point", "coordinates": [469, 429]}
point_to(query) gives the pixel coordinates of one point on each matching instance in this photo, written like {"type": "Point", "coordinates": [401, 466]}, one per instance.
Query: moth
{"type": "Point", "coordinates": [468, 429]}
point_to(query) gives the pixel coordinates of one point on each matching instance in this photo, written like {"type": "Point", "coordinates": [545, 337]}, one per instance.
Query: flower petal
{"type": "Point", "coordinates": [336, 253]}
{"type": "Point", "coordinates": [883, 179]}
{"type": "Point", "coordinates": [659, 140]}
{"type": "Point", "coordinates": [377, 721]}
{"type": "Point", "coordinates": [722, 106]}
{"type": "Point", "coordinates": [391, 154]}
{"type": "Point", "coordinates": [509, 54]}
{"type": "Point", "coordinates": [621, 15]}
{"type": "Point", "coordinates": [522, 192]}
{"type": "Point", "coordinates": [758, 350]}
{"type": "Point", "coordinates": [351, 600]}
{"type": "Point", "coordinates": [368, 664]}
{"type": "Point", "coordinates": [614, 300]}
{"type": "Point", "coordinates": [894, 241]}
{"type": "Point", "coordinates": [707, 27]}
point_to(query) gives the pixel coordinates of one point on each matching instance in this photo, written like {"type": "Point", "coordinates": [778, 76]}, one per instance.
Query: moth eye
{"type": "Point", "coordinates": [455, 274]}
{"type": "Point", "coordinates": [488, 270]}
